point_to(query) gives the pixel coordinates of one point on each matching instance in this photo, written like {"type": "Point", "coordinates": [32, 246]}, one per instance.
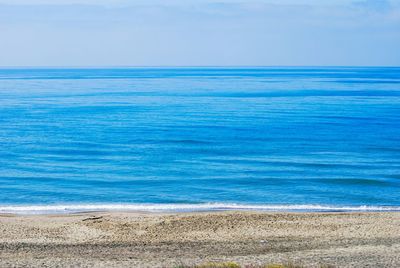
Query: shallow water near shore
{"type": "Point", "coordinates": [178, 139]}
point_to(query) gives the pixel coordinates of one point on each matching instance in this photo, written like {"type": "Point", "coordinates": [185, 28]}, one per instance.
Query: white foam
{"type": "Point", "coordinates": [60, 209]}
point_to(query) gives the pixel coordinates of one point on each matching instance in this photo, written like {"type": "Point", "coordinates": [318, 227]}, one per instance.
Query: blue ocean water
{"type": "Point", "coordinates": [200, 138]}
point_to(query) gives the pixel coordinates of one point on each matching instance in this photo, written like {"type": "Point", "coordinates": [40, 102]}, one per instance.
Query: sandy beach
{"type": "Point", "coordinates": [167, 240]}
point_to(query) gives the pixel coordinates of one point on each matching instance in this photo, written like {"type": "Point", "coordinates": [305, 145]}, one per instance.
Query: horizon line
{"type": "Point", "coordinates": [191, 66]}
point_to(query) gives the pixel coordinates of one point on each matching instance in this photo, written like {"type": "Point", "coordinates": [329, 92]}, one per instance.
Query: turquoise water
{"type": "Point", "coordinates": [199, 139]}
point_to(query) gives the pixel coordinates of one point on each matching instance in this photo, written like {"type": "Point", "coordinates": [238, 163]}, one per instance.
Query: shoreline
{"type": "Point", "coordinates": [63, 209]}
{"type": "Point", "coordinates": [144, 239]}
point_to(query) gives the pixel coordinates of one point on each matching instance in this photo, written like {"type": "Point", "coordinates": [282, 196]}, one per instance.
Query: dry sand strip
{"type": "Point", "coordinates": [165, 240]}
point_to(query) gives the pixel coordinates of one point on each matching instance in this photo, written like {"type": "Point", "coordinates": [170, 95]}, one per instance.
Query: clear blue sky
{"type": "Point", "coordinates": [199, 32]}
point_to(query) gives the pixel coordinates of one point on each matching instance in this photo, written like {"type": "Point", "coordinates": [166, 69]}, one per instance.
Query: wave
{"type": "Point", "coordinates": [66, 209]}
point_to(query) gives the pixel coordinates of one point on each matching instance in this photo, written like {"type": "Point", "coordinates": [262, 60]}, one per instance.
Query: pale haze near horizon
{"type": "Point", "coordinates": [200, 33]}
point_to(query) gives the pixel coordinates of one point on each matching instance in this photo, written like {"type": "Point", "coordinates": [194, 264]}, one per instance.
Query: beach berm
{"type": "Point", "coordinates": [248, 239]}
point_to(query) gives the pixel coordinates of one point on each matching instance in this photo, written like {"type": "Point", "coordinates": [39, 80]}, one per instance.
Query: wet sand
{"type": "Point", "coordinates": [166, 240]}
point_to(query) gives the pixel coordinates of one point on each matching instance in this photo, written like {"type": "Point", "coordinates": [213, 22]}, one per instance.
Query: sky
{"type": "Point", "coordinates": [199, 33]}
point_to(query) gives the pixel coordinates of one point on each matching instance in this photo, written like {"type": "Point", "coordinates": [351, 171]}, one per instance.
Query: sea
{"type": "Point", "coordinates": [199, 139]}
